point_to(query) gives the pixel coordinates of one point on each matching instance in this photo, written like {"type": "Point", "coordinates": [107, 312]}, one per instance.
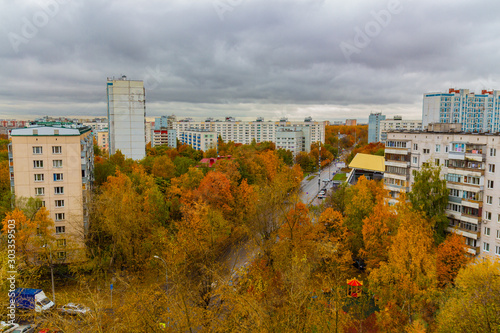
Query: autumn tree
{"type": "Point", "coordinates": [31, 232]}
{"type": "Point", "coordinates": [359, 203]}
{"type": "Point", "coordinates": [451, 257]}
{"type": "Point", "coordinates": [430, 196]}
{"type": "Point", "coordinates": [163, 167]}
{"type": "Point", "coordinates": [405, 283]}
{"type": "Point", "coordinates": [378, 230]}
{"type": "Point", "coordinates": [5, 195]}
{"type": "Point", "coordinates": [123, 216]}
{"type": "Point", "coordinates": [474, 303]}
{"type": "Point", "coordinates": [215, 189]}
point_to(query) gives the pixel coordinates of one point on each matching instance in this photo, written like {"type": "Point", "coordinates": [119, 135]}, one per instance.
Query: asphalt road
{"type": "Point", "coordinates": [310, 189]}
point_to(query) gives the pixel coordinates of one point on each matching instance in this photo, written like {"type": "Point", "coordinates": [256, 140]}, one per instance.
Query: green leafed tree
{"type": "Point", "coordinates": [430, 196]}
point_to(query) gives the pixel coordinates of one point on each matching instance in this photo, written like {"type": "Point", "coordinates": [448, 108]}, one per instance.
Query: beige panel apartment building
{"type": "Point", "coordinates": [246, 131]}
{"type": "Point", "coordinates": [56, 165]}
{"type": "Point", "coordinates": [468, 163]}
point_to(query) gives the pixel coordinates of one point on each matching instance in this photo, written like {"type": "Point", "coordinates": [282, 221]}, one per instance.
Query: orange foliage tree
{"type": "Point", "coordinates": [215, 189]}
{"type": "Point", "coordinates": [451, 257]}
{"type": "Point", "coordinates": [378, 229]}
{"type": "Point", "coordinates": [31, 233]}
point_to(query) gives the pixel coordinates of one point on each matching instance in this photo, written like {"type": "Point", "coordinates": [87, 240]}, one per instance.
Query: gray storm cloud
{"type": "Point", "coordinates": [328, 59]}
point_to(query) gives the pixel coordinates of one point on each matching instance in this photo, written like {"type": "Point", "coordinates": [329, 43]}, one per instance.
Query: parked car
{"type": "Point", "coordinates": [7, 327]}
{"type": "Point", "coordinates": [25, 329]}
{"type": "Point", "coordinates": [74, 309]}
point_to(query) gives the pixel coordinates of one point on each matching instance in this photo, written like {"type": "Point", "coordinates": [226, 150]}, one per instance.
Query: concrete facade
{"type": "Point", "coordinates": [56, 165]}
{"type": "Point", "coordinates": [164, 137]}
{"type": "Point", "coordinates": [476, 112]}
{"type": "Point", "coordinates": [126, 116]}
{"type": "Point", "coordinates": [374, 120]}
{"type": "Point", "coordinates": [199, 139]}
{"type": "Point", "coordinates": [468, 163]}
{"type": "Point", "coordinates": [246, 131]}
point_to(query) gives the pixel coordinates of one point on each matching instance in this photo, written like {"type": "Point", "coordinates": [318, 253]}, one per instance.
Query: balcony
{"type": "Point", "coordinates": [398, 151]}
{"type": "Point", "coordinates": [474, 250]}
{"type": "Point", "coordinates": [464, 232]}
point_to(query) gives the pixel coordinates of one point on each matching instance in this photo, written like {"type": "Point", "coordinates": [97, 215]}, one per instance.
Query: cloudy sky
{"type": "Point", "coordinates": [331, 60]}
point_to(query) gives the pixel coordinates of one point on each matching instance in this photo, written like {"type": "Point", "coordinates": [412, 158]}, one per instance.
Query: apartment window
{"type": "Point", "coordinates": [491, 168]}
{"type": "Point", "coordinates": [436, 161]}
{"type": "Point", "coordinates": [498, 234]}
{"type": "Point", "coordinates": [491, 183]}
{"type": "Point", "coordinates": [37, 150]}
{"type": "Point", "coordinates": [445, 149]}
{"type": "Point", "coordinates": [438, 148]}
{"type": "Point", "coordinates": [61, 255]}
{"type": "Point", "coordinates": [59, 203]}
{"type": "Point", "coordinates": [60, 216]}
{"type": "Point", "coordinates": [39, 190]}
{"type": "Point", "coordinates": [415, 146]}
{"type": "Point", "coordinates": [486, 247]}
{"type": "Point", "coordinates": [487, 216]}
{"type": "Point", "coordinates": [56, 149]}
{"type": "Point", "coordinates": [497, 250]}
{"type": "Point", "coordinates": [59, 190]}
{"type": "Point", "coordinates": [493, 152]}
{"type": "Point", "coordinates": [58, 177]}
{"type": "Point", "coordinates": [37, 164]}
{"type": "Point", "coordinates": [61, 243]}
{"type": "Point", "coordinates": [57, 163]}
{"type": "Point", "coordinates": [415, 160]}
{"type": "Point", "coordinates": [489, 199]}
{"type": "Point", "coordinates": [487, 231]}
{"type": "Point", "coordinates": [60, 230]}
{"type": "Point", "coordinates": [426, 151]}
{"type": "Point", "coordinates": [39, 177]}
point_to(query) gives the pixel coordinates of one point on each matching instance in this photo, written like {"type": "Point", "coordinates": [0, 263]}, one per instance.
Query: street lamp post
{"type": "Point", "coordinates": [166, 269]}
{"type": "Point", "coordinates": [51, 273]}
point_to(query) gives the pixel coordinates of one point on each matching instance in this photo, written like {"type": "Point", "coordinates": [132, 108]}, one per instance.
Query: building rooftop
{"type": "Point", "coordinates": [49, 131]}
{"type": "Point", "coordinates": [368, 162]}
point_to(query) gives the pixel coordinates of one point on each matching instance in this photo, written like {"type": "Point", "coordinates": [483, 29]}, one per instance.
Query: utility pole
{"type": "Point", "coordinates": [338, 145]}
{"type": "Point", "coordinates": [319, 167]}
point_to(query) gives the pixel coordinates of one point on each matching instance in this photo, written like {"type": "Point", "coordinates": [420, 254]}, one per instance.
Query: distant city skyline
{"type": "Point", "coordinates": [327, 59]}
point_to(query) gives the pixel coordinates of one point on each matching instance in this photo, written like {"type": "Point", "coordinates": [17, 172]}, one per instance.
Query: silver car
{"type": "Point", "coordinates": [74, 309]}
{"type": "Point", "coordinates": [24, 329]}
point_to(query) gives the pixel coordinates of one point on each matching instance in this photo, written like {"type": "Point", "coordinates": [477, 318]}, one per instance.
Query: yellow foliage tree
{"type": "Point", "coordinates": [474, 302]}
{"type": "Point", "coordinates": [406, 283]}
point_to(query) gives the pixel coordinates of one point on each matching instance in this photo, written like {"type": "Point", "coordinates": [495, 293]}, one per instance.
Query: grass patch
{"type": "Point", "coordinates": [340, 176]}
{"type": "Point", "coordinates": [311, 177]}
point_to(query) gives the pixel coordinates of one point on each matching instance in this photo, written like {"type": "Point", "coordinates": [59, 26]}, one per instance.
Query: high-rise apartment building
{"type": "Point", "coordinates": [246, 131]}
{"type": "Point", "coordinates": [351, 122]}
{"type": "Point", "coordinates": [199, 139]}
{"type": "Point", "coordinates": [56, 165]}
{"type": "Point", "coordinates": [164, 137]}
{"type": "Point", "coordinates": [468, 162]}
{"type": "Point", "coordinates": [126, 117]}
{"type": "Point", "coordinates": [476, 112]}
{"type": "Point", "coordinates": [295, 139]}
{"type": "Point", "coordinates": [374, 120]}
{"type": "Point", "coordinates": [398, 123]}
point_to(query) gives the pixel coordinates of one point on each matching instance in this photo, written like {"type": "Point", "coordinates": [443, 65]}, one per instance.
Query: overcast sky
{"type": "Point", "coordinates": [331, 60]}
